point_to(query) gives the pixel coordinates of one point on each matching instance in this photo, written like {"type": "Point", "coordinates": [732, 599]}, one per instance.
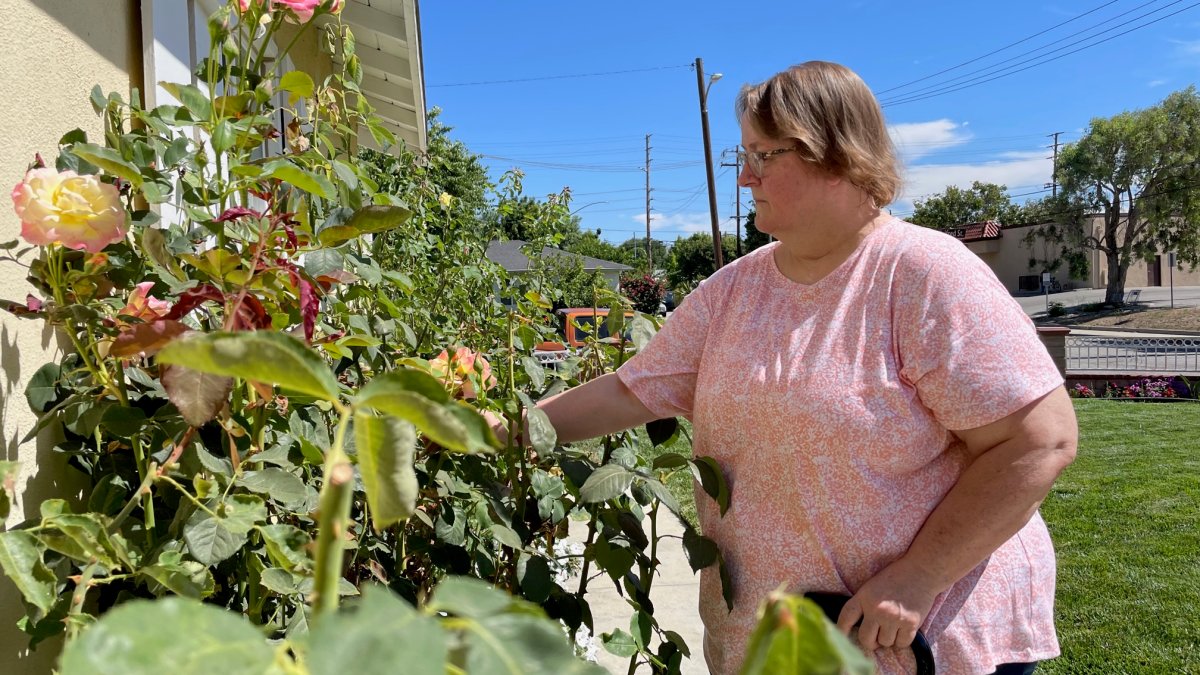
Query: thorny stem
{"type": "Point", "coordinates": [190, 497]}
{"type": "Point", "coordinates": [183, 443]}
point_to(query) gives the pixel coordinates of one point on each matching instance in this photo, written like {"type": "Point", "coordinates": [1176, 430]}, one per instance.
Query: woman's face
{"type": "Point", "coordinates": [788, 189]}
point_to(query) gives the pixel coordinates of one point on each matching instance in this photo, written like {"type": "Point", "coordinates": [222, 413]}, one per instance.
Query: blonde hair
{"type": "Point", "coordinates": [834, 120]}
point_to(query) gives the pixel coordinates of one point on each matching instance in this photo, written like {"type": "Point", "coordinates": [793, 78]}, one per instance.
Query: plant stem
{"type": "Point", "coordinates": [334, 508]}
{"type": "Point", "coordinates": [144, 492]}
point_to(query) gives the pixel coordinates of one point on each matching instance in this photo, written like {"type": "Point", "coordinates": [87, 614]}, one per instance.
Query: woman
{"type": "Point", "coordinates": [885, 414]}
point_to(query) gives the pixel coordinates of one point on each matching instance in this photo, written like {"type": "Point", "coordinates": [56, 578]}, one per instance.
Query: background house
{"type": "Point", "coordinates": [508, 255]}
{"type": "Point", "coordinates": [56, 51]}
{"type": "Point", "coordinates": [1019, 265]}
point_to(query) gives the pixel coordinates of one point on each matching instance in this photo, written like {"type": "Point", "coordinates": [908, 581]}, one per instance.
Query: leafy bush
{"type": "Point", "coordinates": [1056, 309]}
{"type": "Point", "coordinates": [644, 291]}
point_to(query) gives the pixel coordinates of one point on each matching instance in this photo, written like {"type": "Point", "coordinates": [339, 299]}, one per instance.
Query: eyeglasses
{"type": "Point", "coordinates": [755, 160]}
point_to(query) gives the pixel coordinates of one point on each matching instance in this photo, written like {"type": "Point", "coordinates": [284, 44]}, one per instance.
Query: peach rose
{"type": "Point", "coordinates": [79, 212]}
{"type": "Point", "coordinates": [142, 305]}
{"type": "Point", "coordinates": [463, 369]}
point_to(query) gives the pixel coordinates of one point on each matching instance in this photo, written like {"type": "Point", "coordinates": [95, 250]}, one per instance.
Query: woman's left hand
{"type": "Point", "coordinates": [892, 605]}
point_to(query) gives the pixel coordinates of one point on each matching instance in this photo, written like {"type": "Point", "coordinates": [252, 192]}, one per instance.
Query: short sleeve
{"type": "Point", "coordinates": [965, 344]}
{"type": "Point", "coordinates": [663, 375]}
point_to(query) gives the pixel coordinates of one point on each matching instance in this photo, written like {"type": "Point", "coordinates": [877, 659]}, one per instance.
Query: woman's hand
{"type": "Point", "coordinates": [892, 606]}
{"type": "Point", "coordinates": [499, 427]}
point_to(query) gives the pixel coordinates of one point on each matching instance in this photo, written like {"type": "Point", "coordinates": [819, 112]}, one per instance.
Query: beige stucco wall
{"type": "Point", "coordinates": [54, 52]}
{"type": "Point", "coordinates": [1009, 257]}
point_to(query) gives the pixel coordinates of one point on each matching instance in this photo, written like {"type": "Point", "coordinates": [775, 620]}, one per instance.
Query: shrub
{"type": "Point", "coordinates": [644, 291]}
{"type": "Point", "coordinates": [1057, 309]}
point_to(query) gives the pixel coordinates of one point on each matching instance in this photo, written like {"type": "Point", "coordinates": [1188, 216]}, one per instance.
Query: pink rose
{"type": "Point", "coordinates": [463, 370]}
{"type": "Point", "coordinates": [142, 305]}
{"type": "Point", "coordinates": [303, 9]}
{"type": "Point", "coordinates": [79, 212]}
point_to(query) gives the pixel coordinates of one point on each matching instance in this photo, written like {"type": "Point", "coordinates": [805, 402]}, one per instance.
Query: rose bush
{"type": "Point", "coordinates": [279, 356]}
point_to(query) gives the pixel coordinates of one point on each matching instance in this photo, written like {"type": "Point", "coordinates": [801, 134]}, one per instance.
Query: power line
{"type": "Point", "coordinates": [558, 77]}
{"type": "Point", "coordinates": [997, 51]}
{"type": "Point", "coordinates": [973, 83]}
{"type": "Point", "coordinates": [991, 69]}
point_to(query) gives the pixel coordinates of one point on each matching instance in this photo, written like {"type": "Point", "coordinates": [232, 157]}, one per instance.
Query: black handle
{"type": "Point", "coordinates": [832, 603]}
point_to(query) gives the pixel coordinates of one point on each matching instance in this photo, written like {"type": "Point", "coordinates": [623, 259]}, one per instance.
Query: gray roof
{"type": "Point", "coordinates": [508, 255]}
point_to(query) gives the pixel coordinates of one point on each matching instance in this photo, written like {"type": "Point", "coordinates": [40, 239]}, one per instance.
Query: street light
{"type": "Point", "coordinates": [702, 86]}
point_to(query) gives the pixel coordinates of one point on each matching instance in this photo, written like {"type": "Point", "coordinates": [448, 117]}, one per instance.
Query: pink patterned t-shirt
{"type": "Point", "coordinates": [829, 406]}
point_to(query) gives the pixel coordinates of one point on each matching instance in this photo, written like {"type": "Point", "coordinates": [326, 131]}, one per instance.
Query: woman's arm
{"type": "Point", "coordinates": [596, 408]}
{"type": "Point", "coordinates": [1014, 462]}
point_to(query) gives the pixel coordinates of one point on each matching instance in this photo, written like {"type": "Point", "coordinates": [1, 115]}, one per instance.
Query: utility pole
{"type": "Point", "coordinates": [737, 196]}
{"type": "Point", "coordinates": [1053, 184]}
{"type": "Point", "coordinates": [702, 87]}
{"type": "Point", "coordinates": [649, 248]}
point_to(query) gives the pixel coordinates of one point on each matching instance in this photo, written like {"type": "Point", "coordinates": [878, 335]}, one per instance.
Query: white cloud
{"type": "Point", "coordinates": [674, 225]}
{"type": "Point", "coordinates": [1156, 83]}
{"type": "Point", "coordinates": [1016, 169]}
{"type": "Point", "coordinates": [919, 139]}
{"type": "Point", "coordinates": [1187, 47]}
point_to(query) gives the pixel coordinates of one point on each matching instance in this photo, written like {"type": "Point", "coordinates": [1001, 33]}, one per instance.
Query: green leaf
{"type": "Point", "coordinates": [199, 396]}
{"type": "Point", "coordinates": [662, 494]}
{"type": "Point", "coordinates": [712, 479]}
{"type": "Point", "coordinates": [507, 536]}
{"type": "Point", "coordinates": [154, 245]}
{"type": "Point", "coordinates": [641, 626]}
{"type": "Point", "coordinates": [262, 356]}
{"type": "Point", "coordinates": [418, 398]}
{"type": "Point", "coordinates": [187, 578]}
{"type": "Point", "coordinates": [535, 371]}
{"type": "Point", "coordinates": [533, 572]}
{"type": "Point", "coordinates": [640, 331]}
{"type": "Point", "coordinates": [607, 482]}
{"type": "Point", "coordinates": [525, 644]}
{"type": "Point", "coordinates": [21, 558]}
{"type": "Point", "coordinates": [662, 431]}
{"type": "Point", "coordinates": [208, 541]}
{"type": "Point", "coordinates": [172, 635]}
{"type": "Point", "coordinates": [83, 537]}
{"type": "Point", "coordinates": [701, 551]}
{"type": "Point", "coordinates": [192, 98]}
{"type": "Point", "coordinates": [223, 136]}
{"type": "Point", "coordinates": [42, 390]}
{"type": "Point", "coordinates": [176, 152]}
{"type": "Point", "coordinates": [346, 174]}
{"type": "Point", "coordinates": [277, 484]}
{"type": "Point", "coordinates": [298, 84]}
{"type": "Point", "coordinates": [385, 448]}
{"type": "Point", "coordinates": [669, 460]}
{"type": "Point", "coordinates": [279, 581]}
{"type": "Point", "coordinates": [211, 540]}
{"type": "Point", "coordinates": [793, 636]}
{"type": "Point", "coordinates": [468, 597]}
{"type": "Point", "coordinates": [619, 643]}
{"type": "Point", "coordinates": [379, 635]}
{"type": "Point", "coordinates": [108, 159]}
{"type": "Point", "coordinates": [124, 421]}
{"type": "Point", "coordinates": [366, 220]}
{"type": "Point", "coordinates": [287, 547]}
{"type": "Point", "coordinates": [310, 182]}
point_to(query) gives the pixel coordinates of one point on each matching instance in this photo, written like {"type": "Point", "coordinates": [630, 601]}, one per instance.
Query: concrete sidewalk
{"type": "Point", "coordinates": [675, 594]}
{"type": "Point", "coordinates": [1157, 297]}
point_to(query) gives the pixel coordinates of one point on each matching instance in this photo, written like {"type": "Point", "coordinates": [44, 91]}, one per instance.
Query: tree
{"type": "Point", "coordinates": [644, 291]}
{"type": "Point", "coordinates": [691, 260]}
{"type": "Point", "coordinates": [589, 243]}
{"type": "Point", "coordinates": [754, 238]}
{"type": "Point", "coordinates": [956, 207]}
{"type": "Point", "coordinates": [1138, 174]}
{"type": "Point", "coordinates": [635, 249]}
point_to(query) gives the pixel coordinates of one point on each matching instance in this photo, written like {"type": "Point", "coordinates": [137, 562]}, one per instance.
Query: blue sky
{"type": "Point", "coordinates": [589, 132]}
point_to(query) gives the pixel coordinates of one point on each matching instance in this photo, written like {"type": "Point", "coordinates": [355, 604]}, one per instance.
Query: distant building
{"type": "Point", "coordinates": [1019, 265]}
{"type": "Point", "coordinates": [508, 255]}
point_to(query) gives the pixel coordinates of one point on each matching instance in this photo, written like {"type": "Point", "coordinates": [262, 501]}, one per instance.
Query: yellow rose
{"type": "Point", "coordinates": [79, 212]}
{"type": "Point", "coordinates": [445, 199]}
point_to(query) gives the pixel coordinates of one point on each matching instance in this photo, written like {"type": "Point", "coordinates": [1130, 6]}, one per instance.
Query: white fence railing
{"type": "Point", "coordinates": [1173, 355]}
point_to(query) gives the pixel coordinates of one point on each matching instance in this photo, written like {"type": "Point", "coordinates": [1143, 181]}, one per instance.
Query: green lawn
{"type": "Point", "coordinates": [1125, 519]}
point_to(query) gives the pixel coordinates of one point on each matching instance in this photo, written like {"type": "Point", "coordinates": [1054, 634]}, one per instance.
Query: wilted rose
{"type": "Point", "coordinates": [79, 212]}
{"type": "Point", "coordinates": [142, 305]}
{"type": "Point", "coordinates": [462, 370]}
